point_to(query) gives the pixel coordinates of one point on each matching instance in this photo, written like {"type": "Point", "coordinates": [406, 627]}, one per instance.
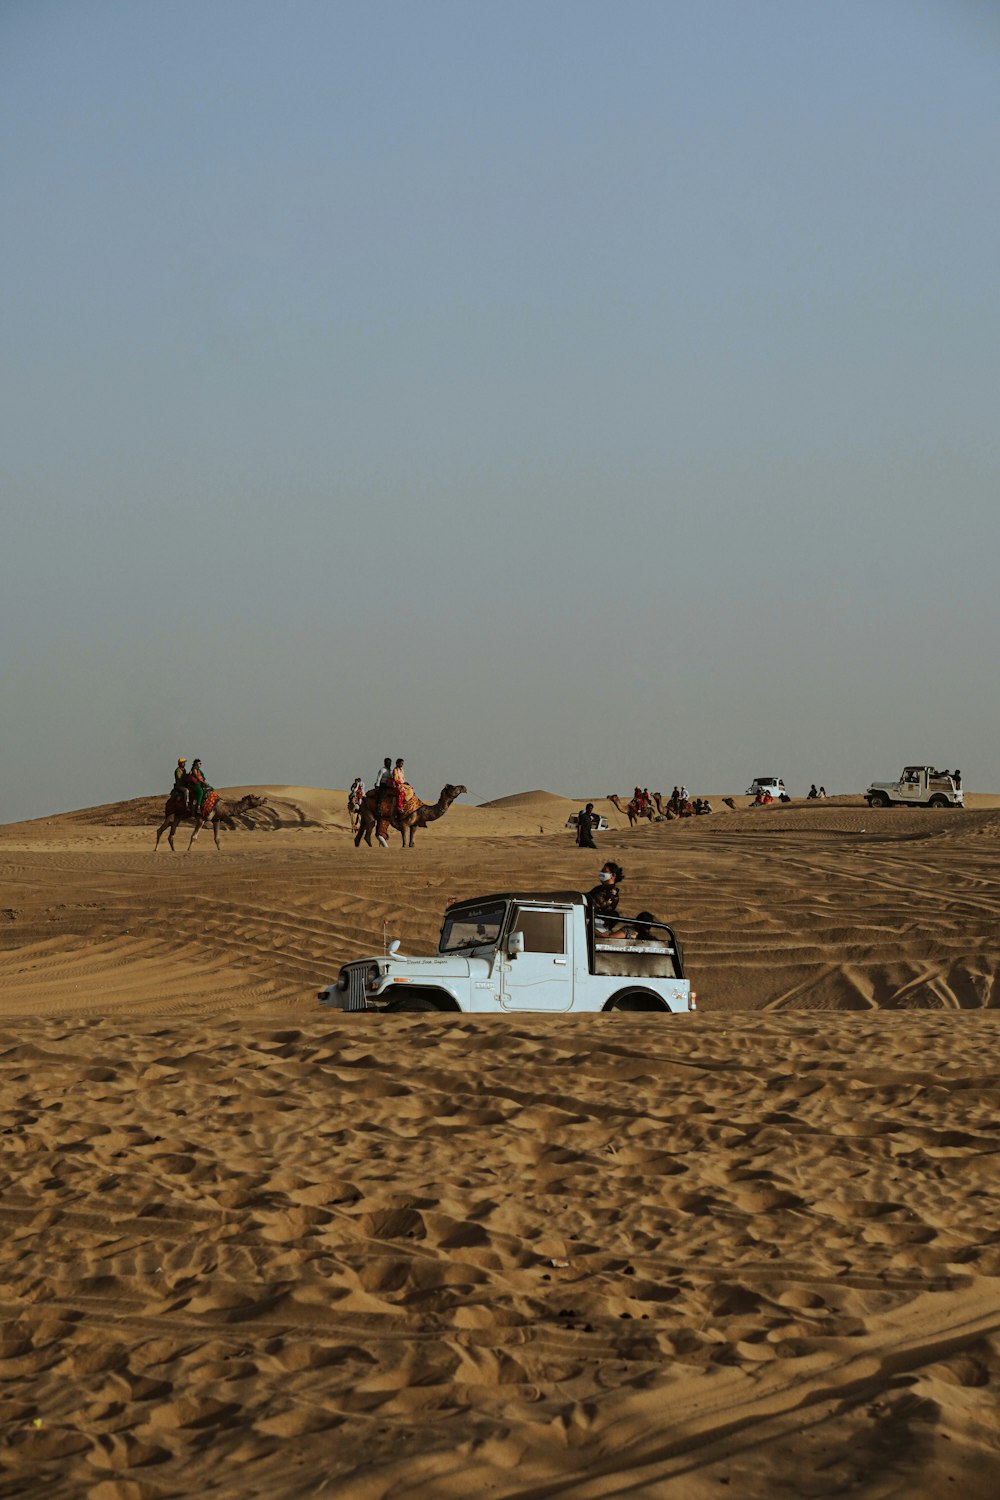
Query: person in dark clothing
{"type": "Point", "coordinates": [182, 791]}
{"type": "Point", "coordinates": [585, 827]}
{"type": "Point", "coordinates": [603, 897]}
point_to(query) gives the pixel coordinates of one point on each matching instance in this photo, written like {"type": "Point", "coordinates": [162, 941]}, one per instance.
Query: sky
{"type": "Point", "coordinates": [557, 394]}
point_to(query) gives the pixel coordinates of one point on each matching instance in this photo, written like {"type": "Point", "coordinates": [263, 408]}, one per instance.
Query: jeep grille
{"type": "Point", "coordinates": [356, 975]}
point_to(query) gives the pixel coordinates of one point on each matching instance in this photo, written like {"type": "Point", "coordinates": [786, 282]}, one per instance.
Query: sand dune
{"type": "Point", "coordinates": [534, 802]}
{"type": "Point", "coordinates": [253, 1248]}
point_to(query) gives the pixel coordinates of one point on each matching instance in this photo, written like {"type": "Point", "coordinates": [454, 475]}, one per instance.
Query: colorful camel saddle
{"type": "Point", "coordinates": [385, 800]}
{"type": "Point", "coordinates": [177, 803]}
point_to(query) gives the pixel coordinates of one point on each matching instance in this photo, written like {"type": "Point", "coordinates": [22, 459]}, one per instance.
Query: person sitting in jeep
{"type": "Point", "coordinates": [603, 897]}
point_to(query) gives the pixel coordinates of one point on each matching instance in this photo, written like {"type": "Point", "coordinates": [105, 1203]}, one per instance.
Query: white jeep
{"type": "Point", "coordinates": [920, 786]}
{"type": "Point", "coordinates": [518, 952]}
{"type": "Point", "coordinates": [772, 784]}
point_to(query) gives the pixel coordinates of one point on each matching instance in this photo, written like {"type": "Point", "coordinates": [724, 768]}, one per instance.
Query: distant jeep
{"type": "Point", "coordinates": [772, 784]}
{"type": "Point", "coordinates": [919, 786]}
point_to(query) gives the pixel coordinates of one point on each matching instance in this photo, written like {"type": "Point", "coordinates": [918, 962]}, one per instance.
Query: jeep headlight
{"type": "Point", "coordinates": [372, 977]}
{"type": "Point", "coordinates": [343, 980]}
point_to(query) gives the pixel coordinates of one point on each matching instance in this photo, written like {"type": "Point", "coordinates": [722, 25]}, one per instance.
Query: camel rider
{"type": "Point", "coordinates": [181, 792]}
{"type": "Point", "coordinates": [197, 781]}
{"type": "Point", "coordinates": [384, 784]}
{"type": "Point", "coordinates": [399, 781]}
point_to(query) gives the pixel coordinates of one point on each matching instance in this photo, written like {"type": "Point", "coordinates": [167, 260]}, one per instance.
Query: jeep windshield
{"type": "Point", "coordinates": [472, 927]}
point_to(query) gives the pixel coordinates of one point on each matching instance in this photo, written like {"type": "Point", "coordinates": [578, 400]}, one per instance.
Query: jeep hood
{"type": "Point", "coordinates": [441, 966]}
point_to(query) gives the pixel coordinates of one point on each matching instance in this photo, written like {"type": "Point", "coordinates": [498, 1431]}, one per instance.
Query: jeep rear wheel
{"type": "Point", "coordinates": [636, 1000]}
{"type": "Point", "coordinates": [938, 801]}
{"type": "Point", "coordinates": [878, 799]}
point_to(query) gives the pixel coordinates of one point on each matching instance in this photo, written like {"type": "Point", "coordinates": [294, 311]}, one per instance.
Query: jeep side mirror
{"type": "Point", "coordinates": [515, 944]}
{"type": "Point", "coordinates": [394, 948]}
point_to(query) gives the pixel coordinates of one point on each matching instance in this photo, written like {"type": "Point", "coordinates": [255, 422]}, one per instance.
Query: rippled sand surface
{"type": "Point", "coordinates": [253, 1248]}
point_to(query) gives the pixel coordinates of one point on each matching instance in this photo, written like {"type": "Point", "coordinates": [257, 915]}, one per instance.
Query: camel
{"type": "Point", "coordinates": [219, 811]}
{"type": "Point", "coordinates": [378, 812]}
{"type": "Point", "coordinates": [632, 812]}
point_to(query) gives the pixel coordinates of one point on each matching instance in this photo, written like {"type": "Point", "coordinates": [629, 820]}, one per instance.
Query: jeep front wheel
{"type": "Point", "coordinates": [411, 1003]}
{"type": "Point", "coordinates": [878, 799]}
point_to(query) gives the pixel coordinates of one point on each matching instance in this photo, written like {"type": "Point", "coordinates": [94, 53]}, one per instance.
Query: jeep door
{"type": "Point", "coordinates": [910, 787]}
{"type": "Point", "coordinates": [540, 978]}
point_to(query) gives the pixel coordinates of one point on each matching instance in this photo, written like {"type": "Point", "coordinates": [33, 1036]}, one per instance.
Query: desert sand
{"type": "Point", "coordinates": [254, 1248]}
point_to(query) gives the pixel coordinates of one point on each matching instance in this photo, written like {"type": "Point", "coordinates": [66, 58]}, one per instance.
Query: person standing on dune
{"type": "Point", "coordinates": [585, 827]}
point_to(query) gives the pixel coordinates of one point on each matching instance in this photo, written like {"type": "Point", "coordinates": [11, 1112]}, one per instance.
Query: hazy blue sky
{"type": "Point", "coordinates": [557, 394]}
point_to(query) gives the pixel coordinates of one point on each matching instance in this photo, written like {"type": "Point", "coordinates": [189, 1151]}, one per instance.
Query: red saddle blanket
{"type": "Point", "coordinates": [384, 800]}
{"type": "Point", "coordinates": [177, 803]}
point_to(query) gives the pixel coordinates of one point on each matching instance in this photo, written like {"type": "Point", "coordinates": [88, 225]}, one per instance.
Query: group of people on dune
{"type": "Point", "coordinates": [642, 804]}
{"type": "Point", "coordinates": [680, 803]}
{"type": "Point", "coordinates": [645, 802]}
